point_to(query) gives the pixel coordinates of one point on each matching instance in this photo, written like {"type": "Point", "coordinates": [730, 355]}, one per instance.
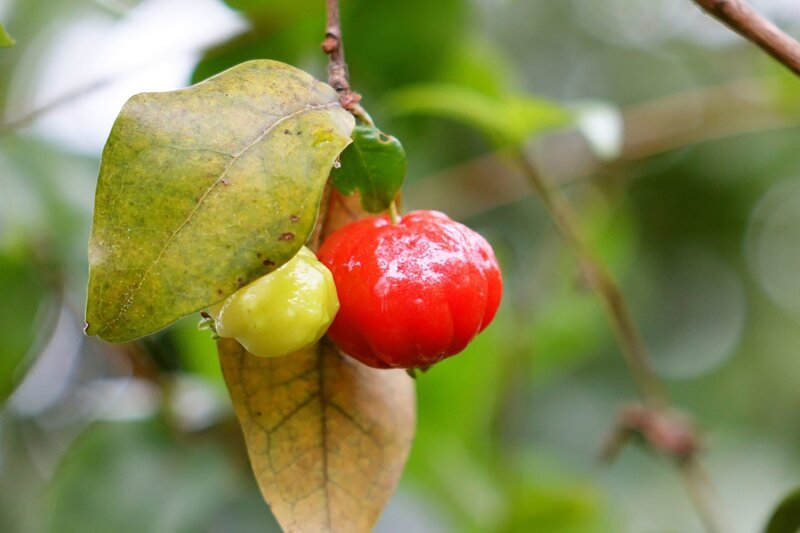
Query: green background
{"type": "Point", "coordinates": [699, 218]}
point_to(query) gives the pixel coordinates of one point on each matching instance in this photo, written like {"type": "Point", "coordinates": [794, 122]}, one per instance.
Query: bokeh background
{"type": "Point", "coordinates": [681, 154]}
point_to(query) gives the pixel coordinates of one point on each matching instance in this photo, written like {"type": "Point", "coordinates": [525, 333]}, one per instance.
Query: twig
{"type": "Point", "coordinates": [672, 435]}
{"type": "Point", "coordinates": [667, 432]}
{"type": "Point", "coordinates": [338, 76]}
{"type": "Point", "coordinates": [747, 22]}
{"type": "Point", "coordinates": [702, 495]}
{"type": "Point", "coordinates": [66, 98]}
{"type": "Point", "coordinates": [630, 342]}
{"type": "Point", "coordinates": [8, 126]}
{"type": "Point", "coordinates": [650, 128]}
{"type": "Point", "coordinates": [598, 277]}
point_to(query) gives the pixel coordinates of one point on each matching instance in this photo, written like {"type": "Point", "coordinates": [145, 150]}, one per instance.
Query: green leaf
{"type": "Point", "coordinates": [786, 516]}
{"type": "Point", "coordinates": [375, 164]}
{"type": "Point", "coordinates": [203, 190]}
{"type": "Point", "coordinates": [508, 119]}
{"type": "Point", "coordinates": [6, 40]}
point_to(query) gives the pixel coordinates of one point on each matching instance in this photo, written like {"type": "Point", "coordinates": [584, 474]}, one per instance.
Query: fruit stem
{"type": "Point", "coordinates": [393, 216]}
{"type": "Point", "coordinates": [361, 114]}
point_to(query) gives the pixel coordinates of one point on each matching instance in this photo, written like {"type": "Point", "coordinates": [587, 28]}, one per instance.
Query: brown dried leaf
{"type": "Point", "coordinates": [327, 436]}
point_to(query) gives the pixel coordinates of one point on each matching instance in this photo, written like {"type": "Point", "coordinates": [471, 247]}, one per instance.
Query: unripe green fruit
{"type": "Point", "coordinates": [282, 312]}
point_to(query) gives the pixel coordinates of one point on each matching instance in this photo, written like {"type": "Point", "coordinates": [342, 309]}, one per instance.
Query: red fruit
{"type": "Point", "coordinates": [410, 293]}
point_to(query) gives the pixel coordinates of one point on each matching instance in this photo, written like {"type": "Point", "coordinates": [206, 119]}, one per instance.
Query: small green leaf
{"type": "Point", "coordinates": [203, 190]}
{"type": "Point", "coordinates": [375, 164]}
{"type": "Point", "coordinates": [6, 40]}
{"type": "Point", "coordinates": [508, 119]}
{"type": "Point", "coordinates": [786, 516]}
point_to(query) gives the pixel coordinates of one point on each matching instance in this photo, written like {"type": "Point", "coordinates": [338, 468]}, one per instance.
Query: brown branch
{"type": "Point", "coordinates": [666, 432]}
{"type": "Point", "coordinates": [660, 430]}
{"type": "Point", "coordinates": [338, 76]}
{"type": "Point", "coordinates": [702, 495]}
{"type": "Point", "coordinates": [603, 283]}
{"type": "Point", "coordinates": [747, 22]}
{"type": "Point", "coordinates": [673, 435]}
{"type": "Point", "coordinates": [650, 128]}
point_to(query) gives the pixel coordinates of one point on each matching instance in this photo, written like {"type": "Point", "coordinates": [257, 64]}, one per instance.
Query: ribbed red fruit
{"type": "Point", "coordinates": [410, 293]}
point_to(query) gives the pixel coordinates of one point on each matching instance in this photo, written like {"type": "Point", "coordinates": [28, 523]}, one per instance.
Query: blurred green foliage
{"type": "Point", "coordinates": [25, 303]}
{"type": "Point", "coordinates": [6, 40]}
{"type": "Point", "coordinates": [139, 437]}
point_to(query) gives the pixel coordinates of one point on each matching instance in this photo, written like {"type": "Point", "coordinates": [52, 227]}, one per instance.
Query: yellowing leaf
{"type": "Point", "coordinates": [327, 436]}
{"type": "Point", "coordinates": [203, 190]}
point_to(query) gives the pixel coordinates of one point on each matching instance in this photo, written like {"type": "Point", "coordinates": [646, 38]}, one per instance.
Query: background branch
{"type": "Point", "coordinates": [629, 339]}
{"type": "Point", "coordinates": [603, 283]}
{"type": "Point", "coordinates": [650, 128]}
{"type": "Point", "coordinates": [747, 22]}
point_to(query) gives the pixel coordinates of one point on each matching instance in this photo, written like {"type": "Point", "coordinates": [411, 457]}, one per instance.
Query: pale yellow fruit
{"type": "Point", "coordinates": [282, 312]}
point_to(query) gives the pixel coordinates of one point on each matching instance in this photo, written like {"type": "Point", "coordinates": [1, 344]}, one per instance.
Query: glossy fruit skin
{"type": "Point", "coordinates": [281, 312]}
{"type": "Point", "coordinates": [411, 293]}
